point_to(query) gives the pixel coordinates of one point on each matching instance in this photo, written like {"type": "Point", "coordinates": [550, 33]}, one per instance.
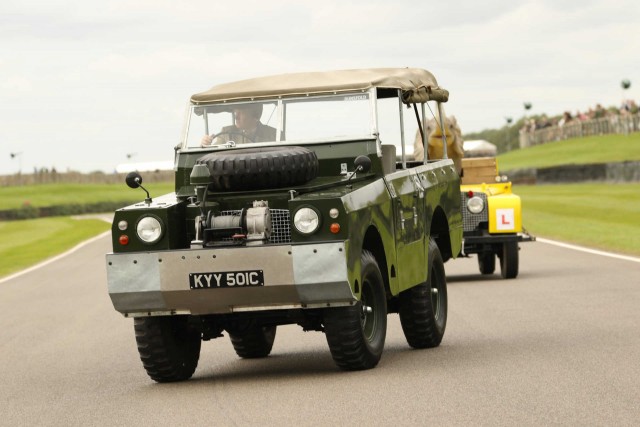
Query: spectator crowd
{"type": "Point", "coordinates": [628, 107]}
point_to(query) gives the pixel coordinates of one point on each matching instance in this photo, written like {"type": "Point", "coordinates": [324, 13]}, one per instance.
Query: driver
{"type": "Point", "coordinates": [247, 128]}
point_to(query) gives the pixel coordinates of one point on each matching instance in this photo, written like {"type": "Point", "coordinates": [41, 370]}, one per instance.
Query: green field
{"type": "Point", "coordinates": [595, 149]}
{"type": "Point", "coordinates": [43, 195]}
{"type": "Point", "coordinates": [601, 216]}
{"type": "Point", "coordinates": [25, 243]}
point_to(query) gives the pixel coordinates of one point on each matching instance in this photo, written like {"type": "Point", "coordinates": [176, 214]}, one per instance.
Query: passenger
{"type": "Point", "coordinates": [247, 128]}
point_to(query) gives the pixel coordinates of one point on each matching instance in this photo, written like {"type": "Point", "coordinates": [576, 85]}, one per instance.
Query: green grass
{"type": "Point", "coordinates": [595, 149]}
{"type": "Point", "coordinates": [600, 216]}
{"type": "Point", "coordinates": [44, 195]}
{"type": "Point", "coordinates": [25, 243]}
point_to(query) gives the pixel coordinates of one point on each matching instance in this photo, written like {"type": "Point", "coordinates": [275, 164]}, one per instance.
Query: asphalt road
{"type": "Point", "coordinates": [558, 345]}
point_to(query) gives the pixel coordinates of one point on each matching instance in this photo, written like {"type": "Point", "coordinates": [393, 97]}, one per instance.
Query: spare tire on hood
{"type": "Point", "coordinates": [260, 168]}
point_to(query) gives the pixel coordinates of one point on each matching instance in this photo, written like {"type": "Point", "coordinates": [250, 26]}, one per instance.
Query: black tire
{"type": "Point", "coordinates": [487, 262]}
{"type": "Point", "coordinates": [423, 308]}
{"type": "Point", "coordinates": [254, 341]}
{"type": "Point", "coordinates": [356, 335]}
{"type": "Point", "coordinates": [509, 260]}
{"type": "Point", "coordinates": [169, 347]}
{"type": "Point", "coordinates": [260, 168]}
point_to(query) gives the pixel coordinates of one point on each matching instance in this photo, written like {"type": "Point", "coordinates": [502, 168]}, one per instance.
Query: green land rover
{"type": "Point", "coordinates": [290, 207]}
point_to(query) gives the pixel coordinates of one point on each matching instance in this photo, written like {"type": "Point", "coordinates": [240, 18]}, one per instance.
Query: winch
{"type": "Point", "coordinates": [250, 226]}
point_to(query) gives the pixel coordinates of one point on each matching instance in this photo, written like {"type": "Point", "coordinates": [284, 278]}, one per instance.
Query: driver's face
{"type": "Point", "coordinates": [244, 119]}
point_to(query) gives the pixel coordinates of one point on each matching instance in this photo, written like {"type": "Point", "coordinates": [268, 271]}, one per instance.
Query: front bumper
{"type": "Point", "coordinates": [300, 276]}
{"type": "Point", "coordinates": [477, 243]}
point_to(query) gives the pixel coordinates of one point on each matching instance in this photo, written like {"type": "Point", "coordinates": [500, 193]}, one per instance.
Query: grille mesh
{"type": "Point", "coordinates": [470, 221]}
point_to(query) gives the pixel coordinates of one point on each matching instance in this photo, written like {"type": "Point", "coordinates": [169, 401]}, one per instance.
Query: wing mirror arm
{"type": "Point", "coordinates": [362, 164]}
{"type": "Point", "coordinates": [134, 180]}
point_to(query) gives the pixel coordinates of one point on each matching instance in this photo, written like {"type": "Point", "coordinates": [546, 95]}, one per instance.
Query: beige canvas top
{"type": "Point", "coordinates": [417, 85]}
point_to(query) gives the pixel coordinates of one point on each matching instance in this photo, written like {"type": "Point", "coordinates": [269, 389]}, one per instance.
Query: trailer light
{"type": "Point", "coordinates": [334, 228]}
{"type": "Point", "coordinates": [124, 240]}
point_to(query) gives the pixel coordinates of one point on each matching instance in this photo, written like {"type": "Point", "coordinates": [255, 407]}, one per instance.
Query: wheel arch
{"type": "Point", "coordinates": [373, 243]}
{"type": "Point", "coordinates": [439, 231]}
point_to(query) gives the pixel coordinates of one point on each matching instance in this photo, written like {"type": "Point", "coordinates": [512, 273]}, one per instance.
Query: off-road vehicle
{"type": "Point", "coordinates": [492, 217]}
{"type": "Point", "coordinates": [318, 225]}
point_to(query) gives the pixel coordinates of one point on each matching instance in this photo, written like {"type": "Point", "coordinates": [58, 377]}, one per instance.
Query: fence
{"type": "Point", "coordinates": [620, 172]}
{"type": "Point", "coordinates": [576, 129]}
{"type": "Point", "coordinates": [53, 177]}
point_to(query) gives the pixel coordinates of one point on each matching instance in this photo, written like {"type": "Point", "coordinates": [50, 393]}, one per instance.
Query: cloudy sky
{"type": "Point", "coordinates": [85, 83]}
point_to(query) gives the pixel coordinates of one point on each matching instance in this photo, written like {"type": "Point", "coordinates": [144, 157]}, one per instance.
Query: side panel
{"type": "Point", "coordinates": [443, 191]}
{"type": "Point", "coordinates": [408, 195]}
{"type": "Point", "coordinates": [368, 206]}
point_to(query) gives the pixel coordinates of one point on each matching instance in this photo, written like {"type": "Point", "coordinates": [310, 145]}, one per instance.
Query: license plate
{"type": "Point", "coordinates": [226, 279]}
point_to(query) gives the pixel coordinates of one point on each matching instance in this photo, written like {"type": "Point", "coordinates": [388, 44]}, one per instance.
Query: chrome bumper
{"type": "Point", "coordinates": [300, 276]}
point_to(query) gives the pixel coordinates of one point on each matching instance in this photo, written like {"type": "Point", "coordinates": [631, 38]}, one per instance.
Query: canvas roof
{"type": "Point", "coordinates": [417, 85]}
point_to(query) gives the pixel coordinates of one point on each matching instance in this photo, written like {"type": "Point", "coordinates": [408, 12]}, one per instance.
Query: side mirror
{"type": "Point", "coordinates": [362, 164]}
{"type": "Point", "coordinates": [133, 179]}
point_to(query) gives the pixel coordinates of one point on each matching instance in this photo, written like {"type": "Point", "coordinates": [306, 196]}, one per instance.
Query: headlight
{"type": "Point", "coordinates": [149, 229]}
{"type": "Point", "coordinates": [306, 220]}
{"type": "Point", "coordinates": [475, 204]}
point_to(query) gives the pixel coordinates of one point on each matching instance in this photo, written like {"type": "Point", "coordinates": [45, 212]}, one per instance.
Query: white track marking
{"type": "Point", "coordinates": [587, 250]}
{"type": "Point", "coordinates": [538, 239]}
{"type": "Point", "coordinates": [55, 258]}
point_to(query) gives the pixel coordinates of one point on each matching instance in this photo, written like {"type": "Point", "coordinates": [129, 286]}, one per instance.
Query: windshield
{"type": "Point", "coordinates": [296, 120]}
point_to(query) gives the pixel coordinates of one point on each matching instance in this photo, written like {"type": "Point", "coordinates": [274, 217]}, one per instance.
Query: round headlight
{"type": "Point", "coordinates": [475, 204]}
{"type": "Point", "coordinates": [149, 229]}
{"type": "Point", "coordinates": [306, 220]}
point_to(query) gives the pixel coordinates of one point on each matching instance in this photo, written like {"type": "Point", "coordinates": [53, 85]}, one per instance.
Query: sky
{"type": "Point", "coordinates": [88, 85]}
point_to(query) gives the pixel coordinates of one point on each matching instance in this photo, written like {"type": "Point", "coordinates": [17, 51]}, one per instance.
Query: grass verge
{"type": "Point", "coordinates": [600, 216]}
{"type": "Point", "coordinates": [595, 149]}
{"type": "Point", "coordinates": [26, 243]}
{"type": "Point", "coordinates": [42, 195]}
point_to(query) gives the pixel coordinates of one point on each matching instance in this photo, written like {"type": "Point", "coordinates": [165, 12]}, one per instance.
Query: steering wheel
{"type": "Point", "coordinates": [232, 132]}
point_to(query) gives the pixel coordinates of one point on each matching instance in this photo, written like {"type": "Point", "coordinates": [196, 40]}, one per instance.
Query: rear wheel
{"type": "Point", "coordinates": [356, 334]}
{"type": "Point", "coordinates": [487, 262]}
{"type": "Point", "coordinates": [169, 347]}
{"type": "Point", "coordinates": [423, 308]}
{"type": "Point", "coordinates": [254, 341]}
{"type": "Point", "coordinates": [509, 260]}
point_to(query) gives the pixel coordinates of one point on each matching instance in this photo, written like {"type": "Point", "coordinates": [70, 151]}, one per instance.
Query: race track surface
{"type": "Point", "coordinates": [558, 345]}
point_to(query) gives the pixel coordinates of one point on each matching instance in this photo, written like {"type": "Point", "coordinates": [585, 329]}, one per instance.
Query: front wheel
{"type": "Point", "coordinates": [423, 308]}
{"type": "Point", "coordinates": [356, 334]}
{"type": "Point", "coordinates": [509, 260]}
{"type": "Point", "coordinates": [169, 347]}
{"type": "Point", "coordinates": [487, 262]}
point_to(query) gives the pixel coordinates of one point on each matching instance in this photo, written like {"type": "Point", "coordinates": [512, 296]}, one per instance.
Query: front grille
{"type": "Point", "coordinates": [470, 221]}
{"type": "Point", "coordinates": [280, 228]}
